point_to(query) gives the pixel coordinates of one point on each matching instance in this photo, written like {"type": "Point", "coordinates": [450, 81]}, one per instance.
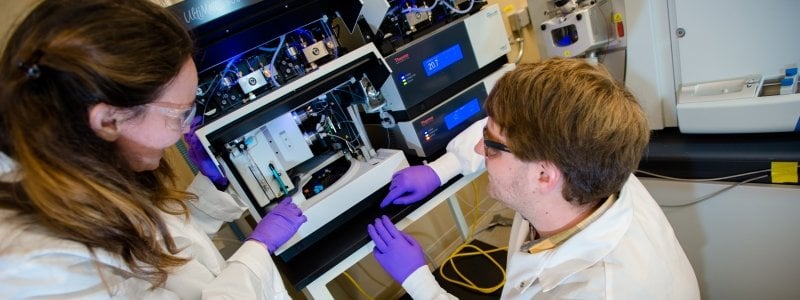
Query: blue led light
{"type": "Point", "coordinates": [461, 114]}
{"type": "Point", "coordinates": [564, 41]}
{"type": "Point", "coordinates": [442, 60]}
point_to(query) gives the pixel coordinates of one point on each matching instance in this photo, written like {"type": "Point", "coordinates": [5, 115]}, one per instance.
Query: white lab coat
{"type": "Point", "coordinates": [34, 264]}
{"type": "Point", "coordinates": [629, 252]}
{"type": "Point", "coordinates": [460, 157]}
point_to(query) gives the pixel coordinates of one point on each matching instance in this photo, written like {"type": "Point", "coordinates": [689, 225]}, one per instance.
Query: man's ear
{"type": "Point", "coordinates": [550, 176]}
{"type": "Point", "coordinates": [104, 118]}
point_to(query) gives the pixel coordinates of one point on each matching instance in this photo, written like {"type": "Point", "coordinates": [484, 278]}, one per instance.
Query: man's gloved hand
{"type": "Point", "coordinates": [411, 184]}
{"type": "Point", "coordinates": [396, 251]}
{"type": "Point", "coordinates": [279, 225]}
{"type": "Point", "coordinates": [200, 158]}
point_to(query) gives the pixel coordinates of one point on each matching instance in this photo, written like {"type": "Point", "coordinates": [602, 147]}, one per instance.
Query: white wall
{"type": "Point", "coordinates": [743, 243]}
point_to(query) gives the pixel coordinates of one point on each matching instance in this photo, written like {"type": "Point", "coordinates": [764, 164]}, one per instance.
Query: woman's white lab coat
{"type": "Point", "coordinates": [629, 252]}
{"type": "Point", "coordinates": [34, 264]}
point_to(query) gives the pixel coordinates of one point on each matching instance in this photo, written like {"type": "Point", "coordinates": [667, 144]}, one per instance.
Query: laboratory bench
{"type": "Point", "coordinates": [696, 156]}
{"type": "Point", "coordinates": [725, 226]}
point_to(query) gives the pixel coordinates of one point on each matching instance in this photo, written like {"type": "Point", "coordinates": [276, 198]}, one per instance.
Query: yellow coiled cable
{"type": "Point", "coordinates": [465, 282]}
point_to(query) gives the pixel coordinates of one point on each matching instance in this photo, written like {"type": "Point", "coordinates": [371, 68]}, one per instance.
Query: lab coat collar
{"type": "Point", "coordinates": [553, 241]}
{"type": "Point", "coordinates": [592, 244]}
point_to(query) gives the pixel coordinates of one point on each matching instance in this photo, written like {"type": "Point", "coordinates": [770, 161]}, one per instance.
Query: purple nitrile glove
{"type": "Point", "coordinates": [278, 225]}
{"type": "Point", "coordinates": [411, 184]}
{"type": "Point", "coordinates": [396, 251]}
{"type": "Point", "coordinates": [200, 158]}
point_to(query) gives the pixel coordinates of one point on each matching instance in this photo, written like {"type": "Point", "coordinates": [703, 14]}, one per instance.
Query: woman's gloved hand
{"type": "Point", "coordinates": [278, 225]}
{"type": "Point", "coordinates": [396, 251]}
{"type": "Point", "coordinates": [200, 158]}
{"type": "Point", "coordinates": [411, 184]}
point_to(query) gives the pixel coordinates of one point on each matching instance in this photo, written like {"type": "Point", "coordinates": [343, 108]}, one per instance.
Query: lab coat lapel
{"type": "Point", "coordinates": [589, 246]}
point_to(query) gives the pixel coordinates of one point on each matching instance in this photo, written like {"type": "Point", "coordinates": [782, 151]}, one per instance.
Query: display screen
{"type": "Point", "coordinates": [442, 60]}
{"type": "Point", "coordinates": [565, 36]}
{"type": "Point", "coordinates": [461, 114]}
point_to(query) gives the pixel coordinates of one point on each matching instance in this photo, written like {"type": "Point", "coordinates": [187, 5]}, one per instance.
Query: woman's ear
{"type": "Point", "coordinates": [104, 118]}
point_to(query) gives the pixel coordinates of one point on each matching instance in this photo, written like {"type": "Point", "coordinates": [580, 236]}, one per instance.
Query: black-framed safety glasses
{"type": "Point", "coordinates": [492, 148]}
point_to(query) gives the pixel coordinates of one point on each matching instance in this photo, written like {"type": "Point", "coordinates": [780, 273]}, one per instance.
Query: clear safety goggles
{"type": "Point", "coordinates": [184, 116]}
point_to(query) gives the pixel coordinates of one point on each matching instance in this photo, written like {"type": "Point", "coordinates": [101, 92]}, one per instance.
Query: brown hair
{"type": "Point", "coordinates": [62, 59]}
{"type": "Point", "coordinates": [576, 116]}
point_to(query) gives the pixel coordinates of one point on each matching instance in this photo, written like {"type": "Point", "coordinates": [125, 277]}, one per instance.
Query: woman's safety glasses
{"type": "Point", "coordinates": [183, 115]}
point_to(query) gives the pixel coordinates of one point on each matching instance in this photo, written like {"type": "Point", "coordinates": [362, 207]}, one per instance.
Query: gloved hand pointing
{"type": "Point", "coordinates": [411, 184]}
{"type": "Point", "coordinates": [279, 225]}
{"type": "Point", "coordinates": [396, 251]}
{"type": "Point", "coordinates": [200, 158]}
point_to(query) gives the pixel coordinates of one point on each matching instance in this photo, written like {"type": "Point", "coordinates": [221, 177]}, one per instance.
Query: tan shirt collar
{"type": "Point", "coordinates": [539, 245]}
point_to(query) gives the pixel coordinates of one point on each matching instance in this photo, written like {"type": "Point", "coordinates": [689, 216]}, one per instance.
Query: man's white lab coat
{"type": "Point", "coordinates": [629, 252]}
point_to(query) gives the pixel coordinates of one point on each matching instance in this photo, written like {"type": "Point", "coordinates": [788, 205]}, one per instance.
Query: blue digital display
{"type": "Point", "coordinates": [461, 114]}
{"type": "Point", "coordinates": [442, 60]}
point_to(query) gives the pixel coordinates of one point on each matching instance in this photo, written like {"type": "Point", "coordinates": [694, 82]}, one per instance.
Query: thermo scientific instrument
{"type": "Point", "coordinates": [284, 88]}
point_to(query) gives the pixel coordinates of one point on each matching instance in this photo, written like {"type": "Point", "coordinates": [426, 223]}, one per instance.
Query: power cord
{"type": "Point", "coordinates": [358, 286]}
{"type": "Point", "coordinates": [521, 46]}
{"type": "Point", "coordinates": [464, 281]}
{"type": "Point", "coordinates": [496, 221]}
{"type": "Point", "coordinates": [703, 179]}
{"type": "Point", "coordinates": [713, 194]}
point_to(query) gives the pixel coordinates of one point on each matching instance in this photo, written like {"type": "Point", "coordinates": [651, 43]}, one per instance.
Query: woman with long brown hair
{"type": "Point", "coordinates": [91, 94]}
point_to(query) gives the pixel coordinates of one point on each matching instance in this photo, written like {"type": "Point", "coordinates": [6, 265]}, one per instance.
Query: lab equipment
{"type": "Point", "coordinates": [739, 105]}
{"type": "Point", "coordinates": [787, 85]}
{"type": "Point", "coordinates": [736, 88]}
{"type": "Point", "coordinates": [227, 83]}
{"type": "Point", "coordinates": [306, 140]}
{"type": "Point", "coordinates": [576, 31]}
{"type": "Point", "coordinates": [426, 102]}
{"type": "Point", "coordinates": [789, 81]}
{"type": "Point", "coordinates": [589, 29]}
{"type": "Point", "coordinates": [671, 44]}
{"type": "Point", "coordinates": [284, 93]}
{"type": "Point", "coordinates": [402, 22]}
{"type": "Point", "coordinates": [425, 71]}
{"type": "Point", "coordinates": [246, 49]}
{"type": "Point", "coordinates": [429, 132]}
{"type": "Point", "coordinates": [280, 97]}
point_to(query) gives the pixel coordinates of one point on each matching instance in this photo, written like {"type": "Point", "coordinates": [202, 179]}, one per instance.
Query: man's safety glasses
{"type": "Point", "coordinates": [492, 148]}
